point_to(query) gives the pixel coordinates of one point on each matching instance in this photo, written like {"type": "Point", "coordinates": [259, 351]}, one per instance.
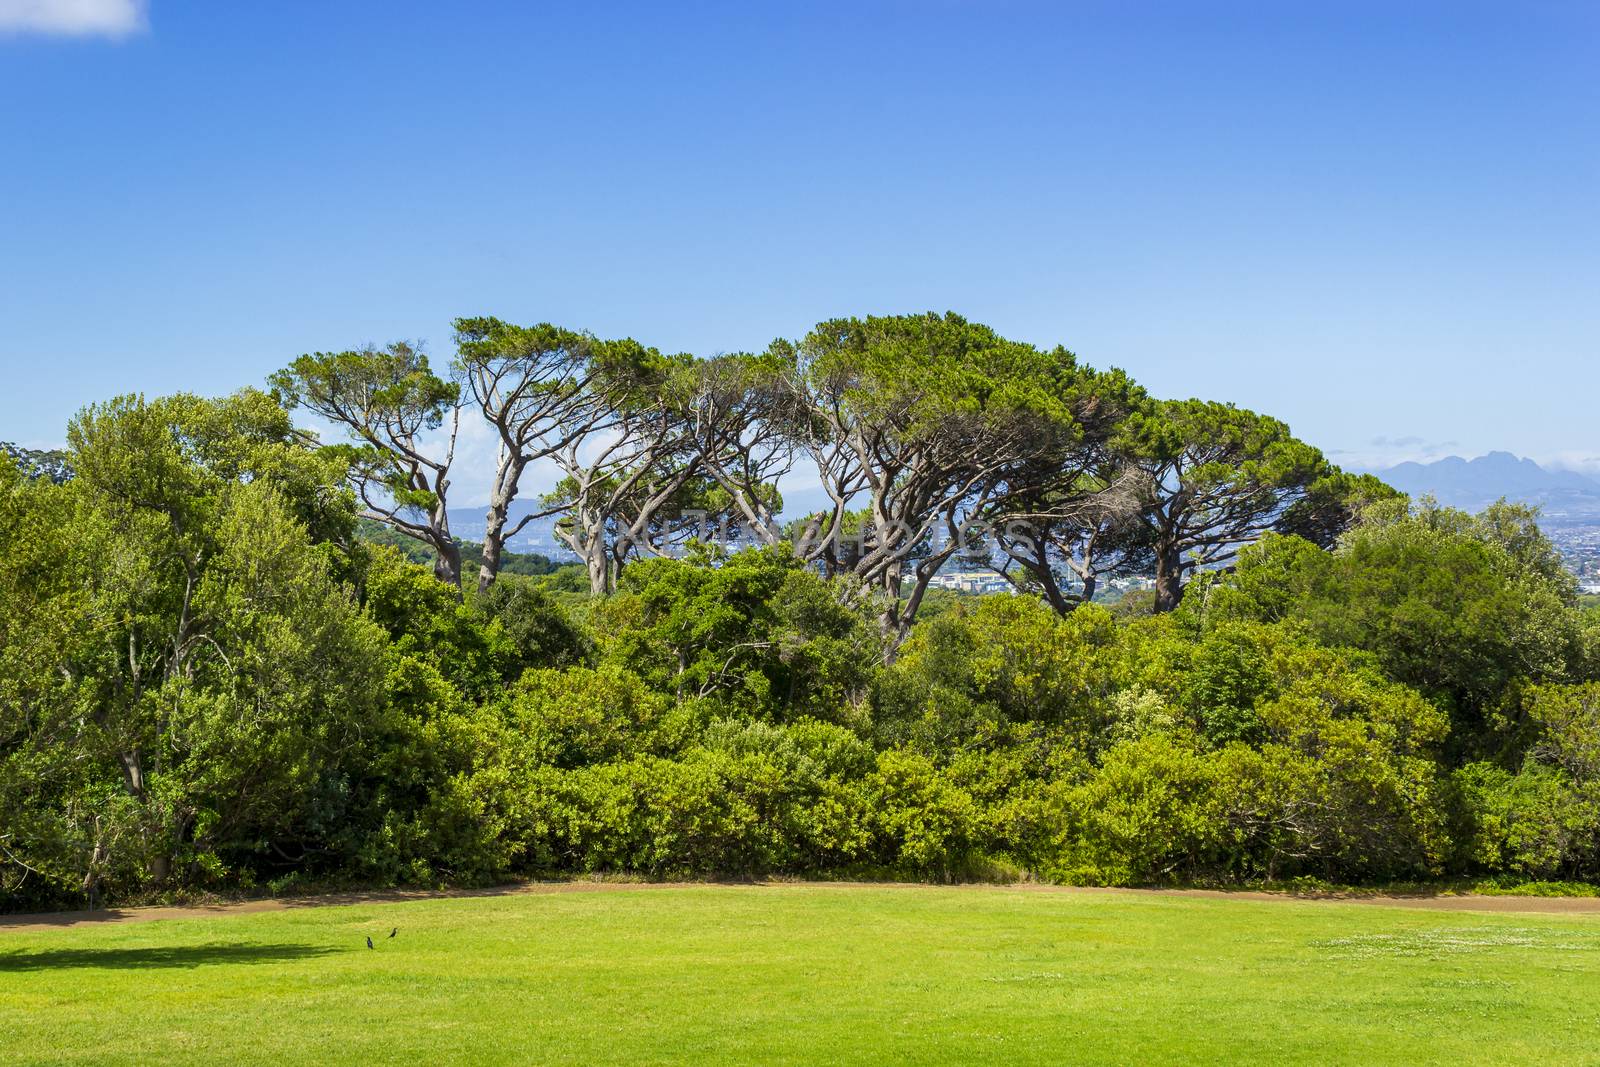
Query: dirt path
{"type": "Point", "coordinates": [1467, 902]}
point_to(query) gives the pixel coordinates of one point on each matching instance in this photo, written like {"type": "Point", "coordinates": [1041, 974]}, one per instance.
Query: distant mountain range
{"type": "Point", "coordinates": [1473, 484]}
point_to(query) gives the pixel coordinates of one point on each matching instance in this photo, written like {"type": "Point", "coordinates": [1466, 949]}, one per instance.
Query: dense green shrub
{"type": "Point", "coordinates": [1148, 813]}
{"type": "Point", "coordinates": [1467, 610]}
{"type": "Point", "coordinates": [542, 633]}
{"type": "Point", "coordinates": [1543, 820]}
{"type": "Point", "coordinates": [1005, 659]}
{"type": "Point", "coordinates": [1534, 823]}
{"type": "Point", "coordinates": [755, 632]}
{"type": "Point", "coordinates": [207, 681]}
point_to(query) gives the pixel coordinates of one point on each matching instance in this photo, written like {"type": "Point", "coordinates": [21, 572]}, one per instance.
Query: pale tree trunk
{"type": "Point", "coordinates": [490, 568]}
{"type": "Point", "coordinates": [495, 532]}
{"type": "Point", "coordinates": [586, 539]}
{"type": "Point", "coordinates": [97, 859]}
{"type": "Point", "coordinates": [493, 543]}
{"type": "Point", "coordinates": [599, 568]}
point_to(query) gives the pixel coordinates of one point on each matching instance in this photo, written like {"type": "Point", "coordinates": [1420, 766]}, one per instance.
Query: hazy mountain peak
{"type": "Point", "coordinates": [1475, 483]}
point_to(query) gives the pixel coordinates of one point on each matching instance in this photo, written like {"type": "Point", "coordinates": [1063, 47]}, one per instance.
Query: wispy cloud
{"type": "Point", "coordinates": [477, 450]}
{"type": "Point", "coordinates": [1413, 444]}
{"type": "Point", "coordinates": [73, 18]}
{"type": "Point", "coordinates": [1387, 451]}
{"type": "Point", "coordinates": [1584, 461]}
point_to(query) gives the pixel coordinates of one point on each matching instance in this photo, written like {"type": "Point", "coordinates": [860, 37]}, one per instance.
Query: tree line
{"type": "Point", "coordinates": [213, 677]}
{"type": "Point", "coordinates": [928, 434]}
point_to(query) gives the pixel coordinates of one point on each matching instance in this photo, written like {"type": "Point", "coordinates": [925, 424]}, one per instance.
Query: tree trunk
{"type": "Point", "coordinates": [133, 773]}
{"type": "Point", "coordinates": [904, 617]}
{"type": "Point", "coordinates": [494, 532]}
{"type": "Point", "coordinates": [491, 563]}
{"type": "Point", "coordinates": [447, 568]}
{"type": "Point", "coordinates": [599, 567]}
{"type": "Point", "coordinates": [91, 876]}
{"type": "Point", "coordinates": [1169, 578]}
{"type": "Point", "coordinates": [1039, 563]}
{"type": "Point", "coordinates": [134, 778]}
{"type": "Point", "coordinates": [493, 544]}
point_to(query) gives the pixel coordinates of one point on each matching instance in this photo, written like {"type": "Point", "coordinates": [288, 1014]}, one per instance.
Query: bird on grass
{"type": "Point", "coordinates": [396, 930]}
{"type": "Point", "coordinates": [369, 942]}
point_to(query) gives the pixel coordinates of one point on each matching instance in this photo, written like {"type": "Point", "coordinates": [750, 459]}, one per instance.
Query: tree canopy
{"type": "Point", "coordinates": [235, 658]}
{"type": "Point", "coordinates": [387, 400]}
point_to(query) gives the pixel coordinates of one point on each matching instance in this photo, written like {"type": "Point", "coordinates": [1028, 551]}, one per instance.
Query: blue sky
{"type": "Point", "coordinates": [1378, 222]}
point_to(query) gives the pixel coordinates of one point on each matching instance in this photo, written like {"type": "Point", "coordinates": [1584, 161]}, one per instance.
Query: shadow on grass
{"type": "Point", "coordinates": [122, 959]}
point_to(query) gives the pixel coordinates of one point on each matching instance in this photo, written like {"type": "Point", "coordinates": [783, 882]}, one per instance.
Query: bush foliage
{"type": "Point", "coordinates": [207, 680]}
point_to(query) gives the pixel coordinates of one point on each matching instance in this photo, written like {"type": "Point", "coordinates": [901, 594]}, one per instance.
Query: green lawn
{"type": "Point", "coordinates": [809, 973]}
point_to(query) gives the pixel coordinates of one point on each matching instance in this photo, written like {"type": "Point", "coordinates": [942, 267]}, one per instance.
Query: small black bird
{"type": "Point", "coordinates": [396, 930]}
{"type": "Point", "coordinates": [369, 942]}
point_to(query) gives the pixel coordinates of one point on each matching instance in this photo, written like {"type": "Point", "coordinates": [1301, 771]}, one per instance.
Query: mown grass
{"type": "Point", "coordinates": [809, 973]}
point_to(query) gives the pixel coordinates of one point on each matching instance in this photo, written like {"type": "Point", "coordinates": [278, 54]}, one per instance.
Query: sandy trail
{"type": "Point", "coordinates": [1466, 902]}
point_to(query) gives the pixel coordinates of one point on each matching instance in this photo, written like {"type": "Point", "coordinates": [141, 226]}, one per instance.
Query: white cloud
{"type": "Point", "coordinates": [1583, 461]}
{"type": "Point", "coordinates": [73, 18]}
{"type": "Point", "coordinates": [1385, 451]}
{"type": "Point", "coordinates": [472, 469]}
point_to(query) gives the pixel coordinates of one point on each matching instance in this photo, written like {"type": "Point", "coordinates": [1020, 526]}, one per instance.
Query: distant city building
{"type": "Point", "coordinates": [971, 582]}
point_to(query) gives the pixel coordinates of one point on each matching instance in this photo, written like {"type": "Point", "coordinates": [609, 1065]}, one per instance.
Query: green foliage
{"type": "Point", "coordinates": [1144, 752]}
{"type": "Point", "coordinates": [1466, 610]}
{"type": "Point", "coordinates": [1332, 504]}
{"type": "Point", "coordinates": [756, 632]}
{"type": "Point", "coordinates": [567, 579]}
{"type": "Point", "coordinates": [1149, 813]}
{"type": "Point", "coordinates": [1535, 823]}
{"type": "Point", "coordinates": [566, 719]}
{"type": "Point", "coordinates": [924, 821]}
{"type": "Point", "coordinates": [542, 633]}
{"type": "Point", "coordinates": [51, 464]}
{"type": "Point", "coordinates": [424, 618]}
{"type": "Point", "coordinates": [208, 670]}
{"type": "Point", "coordinates": [910, 373]}
{"type": "Point", "coordinates": [213, 675]}
{"type": "Point", "coordinates": [1005, 660]}
{"type": "Point", "coordinates": [1221, 476]}
{"type": "Point", "coordinates": [1543, 820]}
